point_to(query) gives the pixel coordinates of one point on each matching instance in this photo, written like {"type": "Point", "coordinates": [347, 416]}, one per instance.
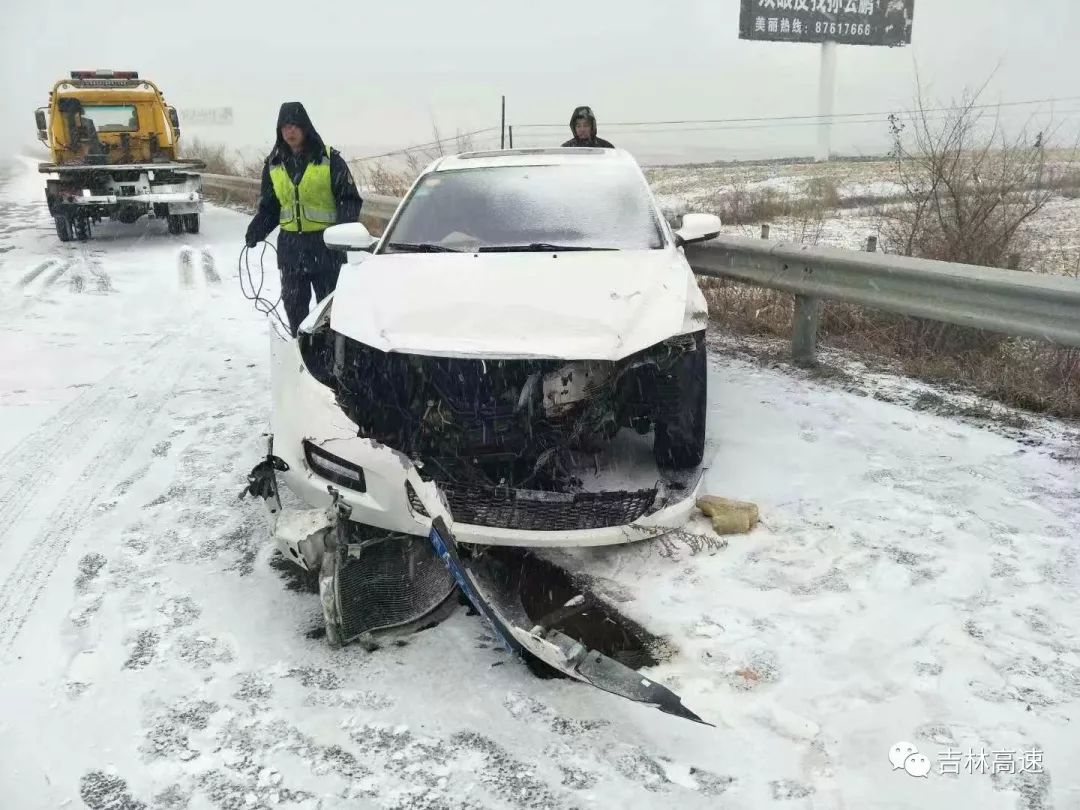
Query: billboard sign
{"type": "Point", "coordinates": [849, 22]}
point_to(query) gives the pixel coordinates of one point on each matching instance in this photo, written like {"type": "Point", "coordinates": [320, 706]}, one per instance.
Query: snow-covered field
{"type": "Point", "coordinates": [862, 185]}
{"type": "Point", "coordinates": [915, 580]}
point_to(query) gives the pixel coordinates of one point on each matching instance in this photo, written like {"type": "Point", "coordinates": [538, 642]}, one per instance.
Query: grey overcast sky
{"type": "Point", "coordinates": [375, 75]}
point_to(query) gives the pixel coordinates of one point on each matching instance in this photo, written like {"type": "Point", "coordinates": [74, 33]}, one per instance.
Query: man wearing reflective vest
{"type": "Point", "coordinates": [306, 188]}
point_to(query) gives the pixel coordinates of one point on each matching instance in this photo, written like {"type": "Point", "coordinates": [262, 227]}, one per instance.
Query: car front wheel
{"type": "Point", "coordinates": [679, 439]}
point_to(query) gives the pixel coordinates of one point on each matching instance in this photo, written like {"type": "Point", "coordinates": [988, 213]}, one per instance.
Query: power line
{"type": "Point", "coordinates": [723, 128]}
{"type": "Point", "coordinates": [809, 117]}
{"type": "Point", "coordinates": [428, 145]}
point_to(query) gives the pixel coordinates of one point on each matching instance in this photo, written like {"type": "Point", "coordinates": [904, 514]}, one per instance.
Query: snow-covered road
{"type": "Point", "coordinates": [916, 580]}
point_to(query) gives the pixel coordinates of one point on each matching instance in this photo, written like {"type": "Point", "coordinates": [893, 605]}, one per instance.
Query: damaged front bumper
{"type": "Point", "coordinates": [380, 484]}
{"type": "Point", "coordinates": [397, 584]}
{"type": "Point", "coordinates": [392, 579]}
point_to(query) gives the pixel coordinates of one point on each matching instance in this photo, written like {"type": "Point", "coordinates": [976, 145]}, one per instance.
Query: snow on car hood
{"type": "Point", "coordinates": [584, 305]}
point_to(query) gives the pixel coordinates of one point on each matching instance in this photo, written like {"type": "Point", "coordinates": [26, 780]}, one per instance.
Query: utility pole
{"type": "Point", "coordinates": [502, 129]}
{"type": "Point", "coordinates": [826, 95]}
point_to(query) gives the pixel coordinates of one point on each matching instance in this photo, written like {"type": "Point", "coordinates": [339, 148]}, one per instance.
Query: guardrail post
{"type": "Point", "coordinates": [804, 331]}
{"type": "Point", "coordinates": [871, 244]}
{"type": "Point", "coordinates": [764, 231]}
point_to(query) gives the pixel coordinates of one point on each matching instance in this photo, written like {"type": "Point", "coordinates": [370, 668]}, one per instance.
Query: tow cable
{"type": "Point", "coordinates": [244, 268]}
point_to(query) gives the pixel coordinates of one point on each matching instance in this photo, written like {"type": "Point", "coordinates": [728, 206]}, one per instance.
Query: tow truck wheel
{"type": "Point", "coordinates": [81, 228]}
{"type": "Point", "coordinates": [679, 440]}
{"type": "Point", "coordinates": [176, 223]}
{"type": "Point", "coordinates": [63, 228]}
{"type": "Point", "coordinates": [191, 223]}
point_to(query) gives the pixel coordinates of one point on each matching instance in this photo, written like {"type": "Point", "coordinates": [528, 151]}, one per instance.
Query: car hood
{"type": "Point", "coordinates": [577, 305]}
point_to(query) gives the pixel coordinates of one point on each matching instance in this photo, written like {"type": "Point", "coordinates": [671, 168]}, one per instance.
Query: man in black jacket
{"type": "Point", "coordinates": [583, 125]}
{"type": "Point", "coordinates": [306, 188]}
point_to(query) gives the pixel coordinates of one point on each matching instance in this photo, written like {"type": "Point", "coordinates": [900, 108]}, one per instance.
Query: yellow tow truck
{"type": "Point", "coordinates": [115, 155]}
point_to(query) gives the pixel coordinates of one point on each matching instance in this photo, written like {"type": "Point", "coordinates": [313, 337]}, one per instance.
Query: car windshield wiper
{"type": "Point", "coordinates": [537, 247]}
{"type": "Point", "coordinates": [422, 247]}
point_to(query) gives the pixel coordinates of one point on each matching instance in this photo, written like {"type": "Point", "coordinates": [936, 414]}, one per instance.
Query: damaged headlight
{"type": "Point", "coordinates": [332, 468]}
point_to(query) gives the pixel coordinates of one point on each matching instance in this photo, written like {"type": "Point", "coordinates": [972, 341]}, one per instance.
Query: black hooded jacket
{"type": "Point", "coordinates": [299, 248]}
{"type": "Point", "coordinates": [593, 141]}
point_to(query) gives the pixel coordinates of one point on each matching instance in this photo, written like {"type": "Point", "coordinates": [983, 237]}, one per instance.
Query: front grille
{"type": "Point", "coordinates": [390, 583]}
{"type": "Point", "coordinates": [534, 510]}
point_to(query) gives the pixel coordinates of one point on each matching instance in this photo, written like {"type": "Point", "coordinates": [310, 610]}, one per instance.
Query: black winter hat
{"type": "Point", "coordinates": [293, 112]}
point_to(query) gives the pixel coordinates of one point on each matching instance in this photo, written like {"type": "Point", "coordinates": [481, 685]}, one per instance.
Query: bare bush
{"type": "Point", "coordinates": [968, 187]}
{"type": "Point", "coordinates": [418, 158]}
{"type": "Point", "coordinates": [742, 206]}
{"type": "Point", "coordinates": [382, 179]}
{"type": "Point", "coordinates": [247, 166]}
{"type": "Point", "coordinates": [217, 158]}
{"type": "Point", "coordinates": [969, 193]}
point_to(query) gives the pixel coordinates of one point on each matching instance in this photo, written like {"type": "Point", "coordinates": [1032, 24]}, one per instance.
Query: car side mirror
{"type": "Point", "coordinates": [698, 228]}
{"type": "Point", "coordinates": [349, 236]}
{"type": "Point", "coordinates": [174, 119]}
{"type": "Point", "coordinates": [42, 125]}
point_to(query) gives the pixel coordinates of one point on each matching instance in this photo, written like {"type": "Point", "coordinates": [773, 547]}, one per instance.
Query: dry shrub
{"type": "Point", "coordinates": [967, 197]}
{"type": "Point", "coordinates": [247, 166]}
{"type": "Point", "coordinates": [221, 160]}
{"type": "Point", "coordinates": [741, 206]}
{"type": "Point", "coordinates": [967, 193]}
{"type": "Point", "coordinates": [217, 158]}
{"type": "Point", "coordinates": [969, 190]}
{"type": "Point", "coordinates": [1022, 373]}
{"type": "Point", "coordinates": [381, 179]}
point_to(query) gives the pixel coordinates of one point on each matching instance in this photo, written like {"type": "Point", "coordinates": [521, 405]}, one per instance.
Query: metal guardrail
{"type": "Point", "coordinates": [1007, 301]}
{"type": "Point", "coordinates": [246, 190]}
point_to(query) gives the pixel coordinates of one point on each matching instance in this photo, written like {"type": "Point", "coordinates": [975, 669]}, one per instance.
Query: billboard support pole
{"type": "Point", "coordinates": [826, 95]}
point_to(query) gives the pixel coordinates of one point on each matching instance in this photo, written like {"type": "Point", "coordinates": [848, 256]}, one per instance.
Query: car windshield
{"type": "Point", "coordinates": [112, 117]}
{"type": "Point", "coordinates": [523, 208]}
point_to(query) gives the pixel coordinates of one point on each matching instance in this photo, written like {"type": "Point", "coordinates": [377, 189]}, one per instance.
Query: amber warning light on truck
{"type": "Point", "coordinates": [104, 74]}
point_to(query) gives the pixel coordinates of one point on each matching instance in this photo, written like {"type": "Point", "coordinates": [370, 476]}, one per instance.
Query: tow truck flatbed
{"type": "Point", "coordinates": [172, 165]}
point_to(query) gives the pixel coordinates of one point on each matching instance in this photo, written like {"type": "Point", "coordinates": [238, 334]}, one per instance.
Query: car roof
{"type": "Point", "coordinates": [549, 156]}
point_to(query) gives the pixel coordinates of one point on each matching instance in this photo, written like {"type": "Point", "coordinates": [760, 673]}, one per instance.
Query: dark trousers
{"type": "Point", "coordinates": [296, 286]}
{"type": "Point", "coordinates": [305, 262]}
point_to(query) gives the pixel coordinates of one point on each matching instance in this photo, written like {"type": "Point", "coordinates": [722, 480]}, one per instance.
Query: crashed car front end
{"type": "Point", "coordinates": [520, 452]}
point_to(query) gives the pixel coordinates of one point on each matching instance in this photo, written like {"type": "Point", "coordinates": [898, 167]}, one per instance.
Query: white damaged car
{"type": "Point", "coordinates": [519, 361]}
{"type": "Point", "coordinates": [528, 334]}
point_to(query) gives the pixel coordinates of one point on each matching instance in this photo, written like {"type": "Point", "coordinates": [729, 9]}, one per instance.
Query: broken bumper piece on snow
{"type": "Point", "coordinates": [550, 646]}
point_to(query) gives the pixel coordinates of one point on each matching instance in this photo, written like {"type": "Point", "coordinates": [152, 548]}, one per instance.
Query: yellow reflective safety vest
{"type": "Point", "coordinates": [309, 205]}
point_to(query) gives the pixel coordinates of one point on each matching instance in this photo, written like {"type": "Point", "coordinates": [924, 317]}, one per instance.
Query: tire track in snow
{"type": "Point", "coordinates": [37, 271]}
{"type": "Point", "coordinates": [186, 268]}
{"type": "Point", "coordinates": [30, 464]}
{"type": "Point", "coordinates": [101, 278]}
{"type": "Point", "coordinates": [77, 282]}
{"type": "Point", "coordinates": [35, 285]}
{"type": "Point", "coordinates": [54, 276]}
{"type": "Point", "coordinates": [209, 268]}
{"type": "Point", "coordinates": [31, 573]}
